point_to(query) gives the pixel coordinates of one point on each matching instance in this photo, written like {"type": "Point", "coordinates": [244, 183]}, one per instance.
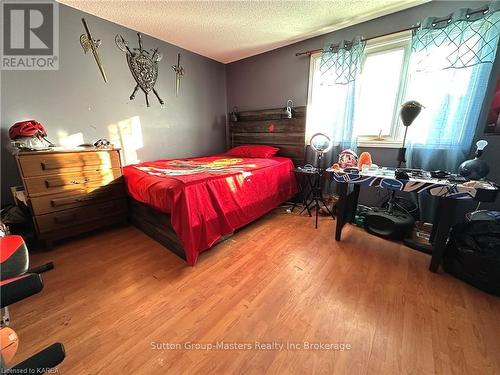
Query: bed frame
{"type": "Point", "coordinates": [253, 127]}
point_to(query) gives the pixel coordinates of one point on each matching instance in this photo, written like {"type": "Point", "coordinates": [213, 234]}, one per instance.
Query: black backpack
{"type": "Point", "coordinates": [473, 254]}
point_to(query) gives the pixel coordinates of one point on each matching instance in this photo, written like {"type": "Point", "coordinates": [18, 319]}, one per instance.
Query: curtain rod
{"type": "Point", "coordinates": [310, 52]}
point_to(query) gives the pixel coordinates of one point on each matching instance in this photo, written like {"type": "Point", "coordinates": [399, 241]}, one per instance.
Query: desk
{"type": "Point", "coordinates": [449, 195]}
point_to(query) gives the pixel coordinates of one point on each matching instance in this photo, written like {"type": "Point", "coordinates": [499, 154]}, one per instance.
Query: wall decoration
{"type": "Point", "coordinates": [288, 111]}
{"type": "Point", "coordinates": [234, 114]}
{"type": "Point", "coordinates": [89, 43]}
{"type": "Point", "coordinates": [143, 65]}
{"type": "Point", "coordinates": [493, 120]}
{"type": "Point", "coordinates": [179, 72]}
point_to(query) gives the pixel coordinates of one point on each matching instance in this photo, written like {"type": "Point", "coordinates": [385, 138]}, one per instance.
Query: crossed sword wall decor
{"type": "Point", "coordinates": [143, 65]}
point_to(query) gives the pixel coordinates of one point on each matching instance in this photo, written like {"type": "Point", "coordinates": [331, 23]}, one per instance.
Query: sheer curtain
{"type": "Point", "coordinates": [336, 90]}
{"type": "Point", "coordinates": [450, 65]}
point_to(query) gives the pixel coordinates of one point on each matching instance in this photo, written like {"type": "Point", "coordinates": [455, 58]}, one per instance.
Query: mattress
{"type": "Point", "coordinates": [210, 197]}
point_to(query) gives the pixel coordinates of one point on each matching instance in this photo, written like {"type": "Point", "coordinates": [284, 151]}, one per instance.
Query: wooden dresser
{"type": "Point", "coordinates": [73, 191]}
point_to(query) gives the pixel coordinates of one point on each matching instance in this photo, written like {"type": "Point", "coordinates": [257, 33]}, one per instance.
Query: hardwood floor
{"type": "Point", "coordinates": [115, 293]}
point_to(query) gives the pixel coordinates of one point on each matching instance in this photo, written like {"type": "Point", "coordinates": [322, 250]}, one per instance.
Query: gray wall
{"type": "Point", "coordinates": [492, 152]}
{"type": "Point", "coordinates": [75, 99]}
{"type": "Point", "coordinates": [269, 79]}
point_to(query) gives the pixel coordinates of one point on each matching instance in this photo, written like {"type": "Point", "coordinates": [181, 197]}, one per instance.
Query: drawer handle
{"type": "Point", "coordinates": [51, 165]}
{"type": "Point", "coordinates": [76, 182]}
{"type": "Point", "coordinates": [71, 200]}
{"type": "Point", "coordinates": [86, 198]}
{"type": "Point", "coordinates": [62, 202]}
{"type": "Point", "coordinates": [59, 165]}
{"type": "Point", "coordinates": [58, 182]}
{"type": "Point", "coordinates": [64, 218]}
{"type": "Point", "coordinates": [46, 165]}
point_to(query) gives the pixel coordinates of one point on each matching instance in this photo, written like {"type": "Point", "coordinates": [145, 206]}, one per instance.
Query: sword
{"type": "Point", "coordinates": [179, 72]}
{"type": "Point", "coordinates": [90, 44]}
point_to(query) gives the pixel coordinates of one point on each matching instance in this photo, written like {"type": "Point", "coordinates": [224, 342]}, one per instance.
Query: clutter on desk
{"type": "Point", "coordinates": [335, 167]}
{"type": "Point", "coordinates": [479, 184]}
{"type": "Point", "coordinates": [365, 159]}
{"type": "Point", "coordinates": [455, 179]}
{"type": "Point", "coordinates": [348, 158]}
{"type": "Point", "coordinates": [475, 169]}
{"type": "Point", "coordinates": [401, 174]}
{"type": "Point", "coordinates": [352, 170]}
{"type": "Point", "coordinates": [439, 174]}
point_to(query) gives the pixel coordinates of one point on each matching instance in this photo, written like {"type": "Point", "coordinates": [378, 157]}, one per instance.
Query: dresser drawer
{"type": "Point", "coordinates": [72, 181]}
{"type": "Point", "coordinates": [76, 198]}
{"type": "Point", "coordinates": [88, 226]}
{"type": "Point", "coordinates": [57, 163]}
{"type": "Point", "coordinates": [79, 216]}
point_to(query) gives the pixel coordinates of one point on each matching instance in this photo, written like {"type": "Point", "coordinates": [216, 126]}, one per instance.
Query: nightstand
{"type": "Point", "coordinates": [311, 184]}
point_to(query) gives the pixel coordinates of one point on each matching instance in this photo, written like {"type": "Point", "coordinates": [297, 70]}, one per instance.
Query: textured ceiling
{"type": "Point", "coordinates": [227, 31]}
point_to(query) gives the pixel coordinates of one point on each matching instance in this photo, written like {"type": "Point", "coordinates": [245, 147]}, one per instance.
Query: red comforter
{"type": "Point", "coordinates": [210, 197]}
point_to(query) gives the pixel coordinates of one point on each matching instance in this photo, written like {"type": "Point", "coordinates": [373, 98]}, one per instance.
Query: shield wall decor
{"type": "Point", "coordinates": [143, 65]}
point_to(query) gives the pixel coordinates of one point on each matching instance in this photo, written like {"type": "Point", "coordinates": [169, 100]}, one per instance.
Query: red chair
{"type": "Point", "coordinates": [16, 284]}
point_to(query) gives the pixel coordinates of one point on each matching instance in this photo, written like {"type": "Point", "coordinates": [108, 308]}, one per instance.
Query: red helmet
{"type": "Point", "coordinates": [30, 128]}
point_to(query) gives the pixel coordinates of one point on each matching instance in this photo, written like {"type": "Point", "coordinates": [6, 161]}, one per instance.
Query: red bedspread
{"type": "Point", "coordinates": [210, 197]}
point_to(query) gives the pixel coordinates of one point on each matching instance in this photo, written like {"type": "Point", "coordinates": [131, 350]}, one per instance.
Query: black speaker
{"type": "Point", "coordinates": [395, 225]}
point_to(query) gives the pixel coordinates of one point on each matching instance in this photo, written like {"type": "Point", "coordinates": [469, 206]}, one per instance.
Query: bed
{"type": "Point", "coordinates": [191, 204]}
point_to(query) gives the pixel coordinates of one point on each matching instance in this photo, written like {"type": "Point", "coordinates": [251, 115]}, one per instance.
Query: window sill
{"type": "Point", "coordinates": [379, 144]}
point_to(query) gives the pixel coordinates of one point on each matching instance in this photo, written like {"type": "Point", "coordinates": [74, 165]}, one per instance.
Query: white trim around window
{"type": "Point", "coordinates": [373, 47]}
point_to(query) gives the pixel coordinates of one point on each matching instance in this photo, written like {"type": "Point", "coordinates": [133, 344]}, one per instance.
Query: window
{"type": "Point", "coordinates": [448, 105]}
{"type": "Point", "coordinates": [379, 92]}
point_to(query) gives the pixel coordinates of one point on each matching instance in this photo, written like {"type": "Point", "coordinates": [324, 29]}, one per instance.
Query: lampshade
{"type": "Point", "coordinates": [409, 112]}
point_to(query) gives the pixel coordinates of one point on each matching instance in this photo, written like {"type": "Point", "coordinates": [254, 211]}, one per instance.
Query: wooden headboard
{"type": "Point", "coordinates": [268, 127]}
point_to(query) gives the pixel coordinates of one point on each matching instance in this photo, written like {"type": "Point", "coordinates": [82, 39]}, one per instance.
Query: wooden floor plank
{"type": "Point", "coordinates": [278, 280]}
